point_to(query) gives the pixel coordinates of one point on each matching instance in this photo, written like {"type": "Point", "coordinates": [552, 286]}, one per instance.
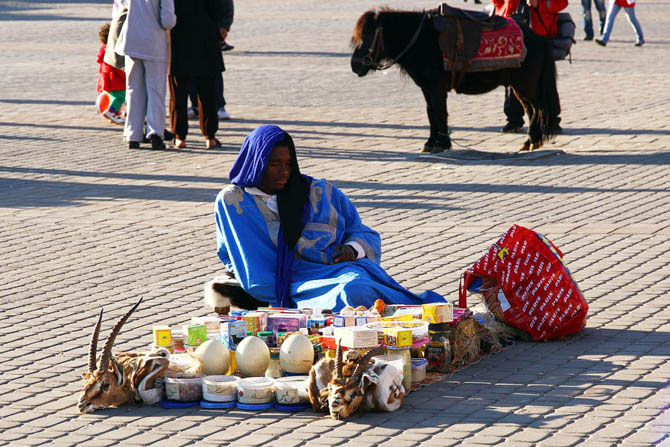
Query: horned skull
{"type": "Point", "coordinates": [123, 378]}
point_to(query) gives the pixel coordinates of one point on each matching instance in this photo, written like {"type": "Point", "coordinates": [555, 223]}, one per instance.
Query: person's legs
{"type": "Point", "coordinates": [630, 12]}
{"type": "Point", "coordinates": [136, 100]}
{"type": "Point", "coordinates": [209, 121]}
{"type": "Point", "coordinates": [588, 21]}
{"type": "Point", "coordinates": [156, 79]}
{"type": "Point", "coordinates": [514, 112]}
{"type": "Point", "coordinates": [178, 102]}
{"type": "Point", "coordinates": [609, 23]}
{"type": "Point", "coordinates": [193, 96]}
{"type": "Point", "coordinates": [602, 13]}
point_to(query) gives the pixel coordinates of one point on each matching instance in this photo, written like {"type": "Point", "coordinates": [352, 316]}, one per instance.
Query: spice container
{"type": "Point", "coordinates": [418, 370]}
{"type": "Point", "coordinates": [438, 350]}
{"type": "Point", "coordinates": [219, 388]}
{"type": "Point", "coordinates": [291, 390]}
{"type": "Point", "coordinates": [255, 390]}
{"type": "Point", "coordinates": [178, 340]}
{"type": "Point", "coordinates": [419, 329]}
{"type": "Point", "coordinates": [395, 360]}
{"type": "Point", "coordinates": [183, 387]}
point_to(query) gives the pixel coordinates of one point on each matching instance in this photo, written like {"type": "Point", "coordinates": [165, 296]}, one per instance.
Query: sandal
{"type": "Point", "coordinates": [217, 144]}
{"type": "Point", "coordinates": [180, 145]}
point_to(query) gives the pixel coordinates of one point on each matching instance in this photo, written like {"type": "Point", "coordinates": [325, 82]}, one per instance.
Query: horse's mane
{"type": "Point", "coordinates": [368, 15]}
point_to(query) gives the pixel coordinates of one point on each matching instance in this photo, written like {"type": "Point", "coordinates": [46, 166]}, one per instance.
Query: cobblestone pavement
{"type": "Point", "coordinates": [87, 223]}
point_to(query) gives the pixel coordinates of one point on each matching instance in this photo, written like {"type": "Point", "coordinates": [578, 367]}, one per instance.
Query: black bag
{"type": "Point", "coordinates": [562, 42]}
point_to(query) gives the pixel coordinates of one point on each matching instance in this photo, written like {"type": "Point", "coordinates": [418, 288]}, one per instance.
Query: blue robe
{"type": "Point", "coordinates": [247, 232]}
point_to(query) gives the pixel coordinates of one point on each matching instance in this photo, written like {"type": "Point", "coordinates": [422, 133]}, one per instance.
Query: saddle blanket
{"type": "Point", "coordinates": [498, 49]}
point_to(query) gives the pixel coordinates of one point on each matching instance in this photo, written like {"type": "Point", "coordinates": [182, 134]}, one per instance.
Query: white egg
{"type": "Point", "coordinates": [214, 357]}
{"type": "Point", "coordinates": [296, 354]}
{"type": "Point", "coordinates": [252, 357]}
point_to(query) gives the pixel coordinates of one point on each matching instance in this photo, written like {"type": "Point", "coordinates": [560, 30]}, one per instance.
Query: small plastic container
{"type": "Point", "coordinates": [419, 370]}
{"type": "Point", "coordinates": [291, 390]}
{"type": "Point", "coordinates": [219, 388]}
{"type": "Point", "coordinates": [211, 323]}
{"type": "Point", "coordinates": [406, 363]}
{"type": "Point", "coordinates": [183, 387]}
{"type": "Point", "coordinates": [395, 360]}
{"type": "Point", "coordinates": [255, 390]}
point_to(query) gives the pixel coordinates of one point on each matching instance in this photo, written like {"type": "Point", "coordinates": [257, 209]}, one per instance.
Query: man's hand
{"type": "Point", "coordinates": [224, 34]}
{"type": "Point", "coordinates": [344, 253]}
{"type": "Point", "coordinates": [532, 3]}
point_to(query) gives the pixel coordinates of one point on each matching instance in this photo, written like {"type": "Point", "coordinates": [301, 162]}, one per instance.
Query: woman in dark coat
{"type": "Point", "coordinates": [196, 58]}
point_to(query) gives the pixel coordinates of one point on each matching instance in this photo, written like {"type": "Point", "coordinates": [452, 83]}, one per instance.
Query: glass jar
{"type": "Point", "coordinates": [406, 364]}
{"type": "Point", "coordinates": [274, 370]}
{"type": "Point", "coordinates": [438, 350]}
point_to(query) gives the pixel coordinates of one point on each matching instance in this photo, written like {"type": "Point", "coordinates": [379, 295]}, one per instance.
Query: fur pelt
{"type": "Point", "coordinates": [225, 291]}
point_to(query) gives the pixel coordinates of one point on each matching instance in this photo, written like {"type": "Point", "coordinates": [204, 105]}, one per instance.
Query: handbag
{"type": "Point", "coordinates": [561, 43]}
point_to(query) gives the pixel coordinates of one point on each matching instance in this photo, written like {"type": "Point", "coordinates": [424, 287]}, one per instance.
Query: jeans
{"type": "Point", "coordinates": [588, 21]}
{"type": "Point", "coordinates": [611, 15]}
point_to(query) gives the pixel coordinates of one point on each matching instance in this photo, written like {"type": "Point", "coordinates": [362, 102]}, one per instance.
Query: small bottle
{"type": "Point", "coordinates": [438, 350]}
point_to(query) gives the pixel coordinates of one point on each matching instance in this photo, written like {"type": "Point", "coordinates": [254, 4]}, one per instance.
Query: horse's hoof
{"type": "Point", "coordinates": [439, 148]}
{"type": "Point", "coordinates": [535, 146]}
{"type": "Point", "coordinates": [427, 148]}
{"type": "Point", "coordinates": [525, 147]}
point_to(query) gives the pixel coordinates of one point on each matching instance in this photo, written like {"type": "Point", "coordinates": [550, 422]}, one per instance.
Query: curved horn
{"type": "Point", "coordinates": [107, 350]}
{"type": "Point", "coordinates": [338, 360]}
{"type": "Point", "coordinates": [363, 362]}
{"type": "Point", "coordinates": [93, 347]}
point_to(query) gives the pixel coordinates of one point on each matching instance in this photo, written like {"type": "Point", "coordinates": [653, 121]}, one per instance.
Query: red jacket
{"type": "Point", "coordinates": [110, 78]}
{"type": "Point", "coordinates": [505, 8]}
{"type": "Point", "coordinates": [543, 18]}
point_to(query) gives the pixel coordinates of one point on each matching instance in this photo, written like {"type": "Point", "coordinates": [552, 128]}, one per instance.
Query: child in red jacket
{"type": "Point", "coordinates": [111, 84]}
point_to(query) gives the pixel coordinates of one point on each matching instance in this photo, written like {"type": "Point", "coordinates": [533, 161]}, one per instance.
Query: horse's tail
{"type": "Point", "coordinates": [550, 105]}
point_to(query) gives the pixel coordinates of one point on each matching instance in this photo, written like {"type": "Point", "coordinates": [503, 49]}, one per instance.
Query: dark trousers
{"type": "Point", "coordinates": [205, 87]}
{"type": "Point", "coordinates": [513, 108]}
{"type": "Point", "coordinates": [220, 100]}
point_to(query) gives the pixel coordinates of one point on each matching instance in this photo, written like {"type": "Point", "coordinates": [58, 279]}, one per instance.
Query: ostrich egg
{"type": "Point", "coordinates": [252, 357]}
{"type": "Point", "coordinates": [214, 357]}
{"type": "Point", "coordinates": [296, 354]}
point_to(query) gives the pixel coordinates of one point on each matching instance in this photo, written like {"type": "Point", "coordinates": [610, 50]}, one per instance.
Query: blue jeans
{"type": "Point", "coordinates": [588, 21]}
{"type": "Point", "coordinates": [611, 15]}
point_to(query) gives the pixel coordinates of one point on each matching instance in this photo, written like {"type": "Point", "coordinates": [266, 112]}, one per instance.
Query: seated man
{"type": "Point", "coordinates": [294, 241]}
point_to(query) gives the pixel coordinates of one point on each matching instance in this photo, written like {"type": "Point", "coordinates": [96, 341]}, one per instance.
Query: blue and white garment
{"type": "Point", "coordinates": [248, 240]}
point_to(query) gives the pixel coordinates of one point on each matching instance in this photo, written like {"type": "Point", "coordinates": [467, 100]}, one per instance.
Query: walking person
{"type": "Point", "coordinates": [144, 43]}
{"type": "Point", "coordinates": [629, 8]}
{"type": "Point", "coordinates": [588, 20]}
{"type": "Point", "coordinates": [196, 60]}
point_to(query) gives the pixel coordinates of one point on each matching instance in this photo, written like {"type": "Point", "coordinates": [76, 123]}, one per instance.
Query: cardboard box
{"type": "Point", "coordinates": [436, 313]}
{"type": "Point", "coordinates": [286, 322]}
{"type": "Point", "coordinates": [398, 337]}
{"type": "Point", "coordinates": [357, 336]}
{"type": "Point", "coordinates": [232, 332]}
{"type": "Point", "coordinates": [344, 320]}
{"type": "Point", "coordinates": [399, 317]}
{"type": "Point", "coordinates": [194, 334]}
{"type": "Point", "coordinates": [361, 321]}
{"type": "Point", "coordinates": [162, 335]}
{"type": "Point", "coordinates": [256, 322]}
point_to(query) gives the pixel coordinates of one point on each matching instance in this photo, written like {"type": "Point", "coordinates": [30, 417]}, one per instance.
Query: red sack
{"type": "Point", "coordinates": [532, 289]}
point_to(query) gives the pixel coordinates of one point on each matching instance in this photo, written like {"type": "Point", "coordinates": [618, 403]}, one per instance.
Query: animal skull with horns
{"type": "Point", "coordinates": [362, 382]}
{"type": "Point", "coordinates": [126, 377]}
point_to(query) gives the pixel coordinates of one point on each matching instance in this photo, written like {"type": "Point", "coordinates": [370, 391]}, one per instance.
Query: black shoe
{"type": "Point", "coordinates": [600, 42]}
{"type": "Point", "coordinates": [639, 44]}
{"type": "Point", "coordinates": [133, 145]}
{"type": "Point", "coordinates": [227, 47]}
{"type": "Point", "coordinates": [588, 38]}
{"type": "Point", "coordinates": [511, 128]}
{"type": "Point", "coordinates": [157, 142]}
{"type": "Point", "coordinates": [167, 135]}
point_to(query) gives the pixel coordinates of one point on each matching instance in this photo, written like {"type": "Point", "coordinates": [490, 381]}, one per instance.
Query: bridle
{"type": "Point", "coordinates": [377, 48]}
